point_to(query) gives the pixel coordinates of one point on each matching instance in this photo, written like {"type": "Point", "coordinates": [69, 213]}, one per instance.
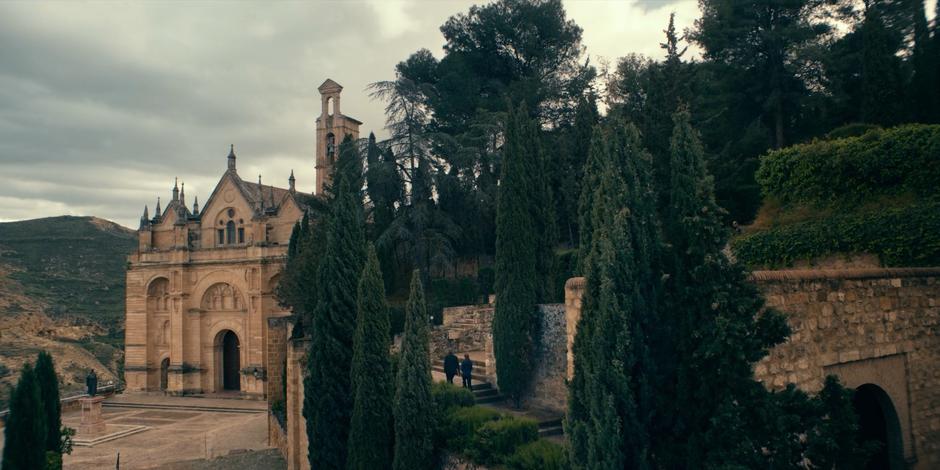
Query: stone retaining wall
{"type": "Point", "coordinates": [874, 327]}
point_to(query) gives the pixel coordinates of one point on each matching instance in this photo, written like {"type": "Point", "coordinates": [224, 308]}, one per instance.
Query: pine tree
{"type": "Point", "coordinates": [518, 283]}
{"type": "Point", "coordinates": [25, 431]}
{"type": "Point", "coordinates": [610, 399]}
{"type": "Point", "coordinates": [327, 388]}
{"type": "Point", "coordinates": [49, 394]}
{"type": "Point", "coordinates": [371, 431]}
{"type": "Point", "coordinates": [414, 418]}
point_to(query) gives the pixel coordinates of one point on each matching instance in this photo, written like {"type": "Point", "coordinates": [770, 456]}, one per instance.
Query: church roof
{"type": "Point", "coordinates": [330, 85]}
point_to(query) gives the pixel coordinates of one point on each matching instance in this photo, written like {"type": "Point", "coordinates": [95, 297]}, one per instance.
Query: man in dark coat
{"type": "Point", "coordinates": [450, 366]}
{"type": "Point", "coordinates": [466, 370]}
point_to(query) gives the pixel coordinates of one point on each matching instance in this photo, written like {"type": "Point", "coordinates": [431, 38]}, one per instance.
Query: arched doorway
{"type": "Point", "coordinates": [164, 371]}
{"type": "Point", "coordinates": [230, 361]}
{"type": "Point", "coordinates": [878, 421]}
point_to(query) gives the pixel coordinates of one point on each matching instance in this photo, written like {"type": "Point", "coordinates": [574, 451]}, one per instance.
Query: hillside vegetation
{"type": "Point", "coordinates": [875, 195]}
{"type": "Point", "coordinates": [62, 290]}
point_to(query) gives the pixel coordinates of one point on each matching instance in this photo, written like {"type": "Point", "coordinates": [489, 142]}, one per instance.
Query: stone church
{"type": "Point", "coordinates": [202, 315]}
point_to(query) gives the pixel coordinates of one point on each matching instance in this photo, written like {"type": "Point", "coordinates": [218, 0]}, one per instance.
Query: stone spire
{"type": "Point", "coordinates": [145, 219]}
{"type": "Point", "coordinates": [196, 205]}
{"type": "Point", "coordinates": [231, 158]}
{"type": "Point", "coordinates": [291, 181]}
{"type": "Point", "coordinates": [157, 213]}
{"type": "Point", "coordinates": [260, 193]}
{"type": "Point", "coordinates": [183, 194]}
{"type": "Point", "coordinates": [176, 189]}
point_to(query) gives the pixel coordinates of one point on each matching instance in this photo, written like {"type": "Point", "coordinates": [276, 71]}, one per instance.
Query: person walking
{"type": "Point", "coordinates": [466, 371]}
{"type": "Point", "coordinates": [450, 366]}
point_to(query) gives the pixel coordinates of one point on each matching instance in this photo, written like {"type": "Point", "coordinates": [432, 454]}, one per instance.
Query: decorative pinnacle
{"type": "Point", "coordinates": [231, 157]}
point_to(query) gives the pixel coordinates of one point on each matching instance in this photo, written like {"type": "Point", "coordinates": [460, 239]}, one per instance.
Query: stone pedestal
{"type": "Point", "coordinates": [92, 423]}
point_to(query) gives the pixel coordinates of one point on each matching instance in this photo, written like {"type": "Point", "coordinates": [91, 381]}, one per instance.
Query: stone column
{"type": "Point", "coordinates": [574, 290]}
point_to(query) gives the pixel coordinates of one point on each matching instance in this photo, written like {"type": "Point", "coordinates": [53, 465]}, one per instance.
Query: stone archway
{"type": "Point", "coordinates": [878, 421]}
{"type": "Point", "coordinates": [228, 361]}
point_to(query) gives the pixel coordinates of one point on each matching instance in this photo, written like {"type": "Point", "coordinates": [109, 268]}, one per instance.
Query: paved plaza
{"type": "Point", "coordinates": [180, 431]}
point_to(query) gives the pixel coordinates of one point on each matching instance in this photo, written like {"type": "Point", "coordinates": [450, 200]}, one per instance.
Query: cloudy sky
{"type": "Point", "coordinates": [103, 104]}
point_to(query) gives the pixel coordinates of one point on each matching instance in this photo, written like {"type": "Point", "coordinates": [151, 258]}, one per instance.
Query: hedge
{"type": "Point", "coordinates": [904, 159]}
{"type": "Point", "coordinates": [495, 441]}
{"type": "Point", "coordinates": [460, 426]}
{"type": "Point", "coordinates": [539, 455]}
{"type": "Point", "coordinates": [447, 396]}
{"type": "Point", "coordinates": [906, 236]}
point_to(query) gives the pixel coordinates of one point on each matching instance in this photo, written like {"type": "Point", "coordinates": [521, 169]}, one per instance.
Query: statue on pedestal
{"type": "Point", "coordinates": [91, 381]}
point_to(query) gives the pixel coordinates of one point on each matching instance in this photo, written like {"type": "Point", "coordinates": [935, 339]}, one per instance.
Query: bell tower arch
{"type": "Point", "coordinates": [332, 128]}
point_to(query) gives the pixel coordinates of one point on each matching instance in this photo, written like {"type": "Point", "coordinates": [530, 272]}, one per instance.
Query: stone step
{"type": "Point", "coordinates": [551, 431]}
{"type": "Point", "coordinates": [153, 406]}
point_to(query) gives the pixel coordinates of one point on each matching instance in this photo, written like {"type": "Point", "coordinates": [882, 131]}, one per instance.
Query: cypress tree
{"type": "Point", "coordinates": [414, 418]}
{"type": "Point", "coordinates": [610, 397]}
{"type": "Point", "coordinates": [371, 431]}
{"type": "Point", "coordinates": [327, 388]}
{"type": "Point", "coordinates": [25, 432]}
{"type": "Point", "coordinates": [49, 394]}
{"type": "Point", "coordinates": [517, 283]}
{"type": "Point", "coordinates": [593, 170]}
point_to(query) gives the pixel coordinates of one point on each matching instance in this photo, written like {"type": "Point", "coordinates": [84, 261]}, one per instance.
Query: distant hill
{"type": "Point", "coordinates": [62, 289]}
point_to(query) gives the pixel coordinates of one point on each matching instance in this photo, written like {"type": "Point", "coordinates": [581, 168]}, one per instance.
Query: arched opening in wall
{"type": "Point", "coordinates": [164, 373]}
{"type": "Point", "coordinates": [330, 106]}
{"type": "Point", "coordinates": [878, 422]}
{"type": "Point", "coordinates": [330, 147]}
{"type": "Point", "coordinates": [228, 361]}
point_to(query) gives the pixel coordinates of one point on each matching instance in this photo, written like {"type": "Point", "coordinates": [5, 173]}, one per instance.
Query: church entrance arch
{"type": "Point", "coordinates": [228, 361]}
{"type": "Point", "coordinates": [878, 421]}
{"type": "Point", "coordinates": [164, 373]}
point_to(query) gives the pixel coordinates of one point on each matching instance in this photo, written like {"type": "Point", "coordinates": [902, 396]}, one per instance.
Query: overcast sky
{"type": "Point", "coordinates": [103, 104]}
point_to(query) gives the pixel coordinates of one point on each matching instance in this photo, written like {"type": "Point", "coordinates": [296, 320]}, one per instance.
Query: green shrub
{"type": "Point", "coordinates": [851, 130]}
{"type": "Point", "coordinates": [495, 441]}
{"type": "Point", "coordinates": [904, 159]}
{"type": "Point", "coordinates": [906, 236]}
{"type": "Point", "coordinates": [449, 396]}
{"type": "Point", "coordinates": [539, 455]}
{"type": "Point", "coordinates": [460, 426]}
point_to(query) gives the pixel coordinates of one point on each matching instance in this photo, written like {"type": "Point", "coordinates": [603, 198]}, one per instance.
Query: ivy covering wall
{"type": "Point", "coordinates": [904, 159]}
{"type": "Point", "coordinates": [878, 193]}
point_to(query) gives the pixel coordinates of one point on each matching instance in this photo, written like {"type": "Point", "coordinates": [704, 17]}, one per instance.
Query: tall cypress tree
{"type": "Point", "coordinates": [518, 284]}
{"type": "Point", "coordinates": [327, 388]}
{"type": "Point", "coordinates": [49, 394]}
{"type": "Point", "coordinates": [610, 398]}
{"type": "Point", "coordinates": [25, 432]}
{"type": "Point", "coordinates": [371, 431]}
{"type": "Point", "coordinates": [414, 419]}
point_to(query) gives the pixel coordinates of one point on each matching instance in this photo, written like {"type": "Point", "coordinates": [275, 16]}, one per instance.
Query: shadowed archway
{"type": "Point", "coordinates": [878, 421]}
{"type": "Point", "coordinates": [228, 361]}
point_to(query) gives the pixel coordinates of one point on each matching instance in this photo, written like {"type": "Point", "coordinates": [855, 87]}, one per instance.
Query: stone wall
{"type": "Point", "coordinates": [866, 326]}
{"type": "Point", "coordinates": [296, 424]}
{"type": "Point", "coordinates": [278, 328]}
{"type": "Point", "coordinates": [549, 389]}
{"type": "Point", "coordinates": [470, 329]}
{"type": "Point", "coordinates": [875, 327]}
{"type": "Point", "coordinates": [277, 436]}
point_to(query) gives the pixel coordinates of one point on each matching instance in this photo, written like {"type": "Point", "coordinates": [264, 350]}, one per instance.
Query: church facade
{"type": "Point", "coordinates": [202, 315]}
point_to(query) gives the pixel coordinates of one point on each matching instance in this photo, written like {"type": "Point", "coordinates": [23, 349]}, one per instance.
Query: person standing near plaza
{"type": "Point", "coordinates": [466, 370]}
{"type": "Point", "coordinates": [450, 366]}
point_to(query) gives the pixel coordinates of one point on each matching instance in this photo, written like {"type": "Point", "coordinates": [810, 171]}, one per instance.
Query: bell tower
{"type": "Point", "coordinates": [332, 128]}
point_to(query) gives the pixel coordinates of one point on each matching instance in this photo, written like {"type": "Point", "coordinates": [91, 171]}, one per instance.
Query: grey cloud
{"type": "Point", "coordinates": [103, 104]}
